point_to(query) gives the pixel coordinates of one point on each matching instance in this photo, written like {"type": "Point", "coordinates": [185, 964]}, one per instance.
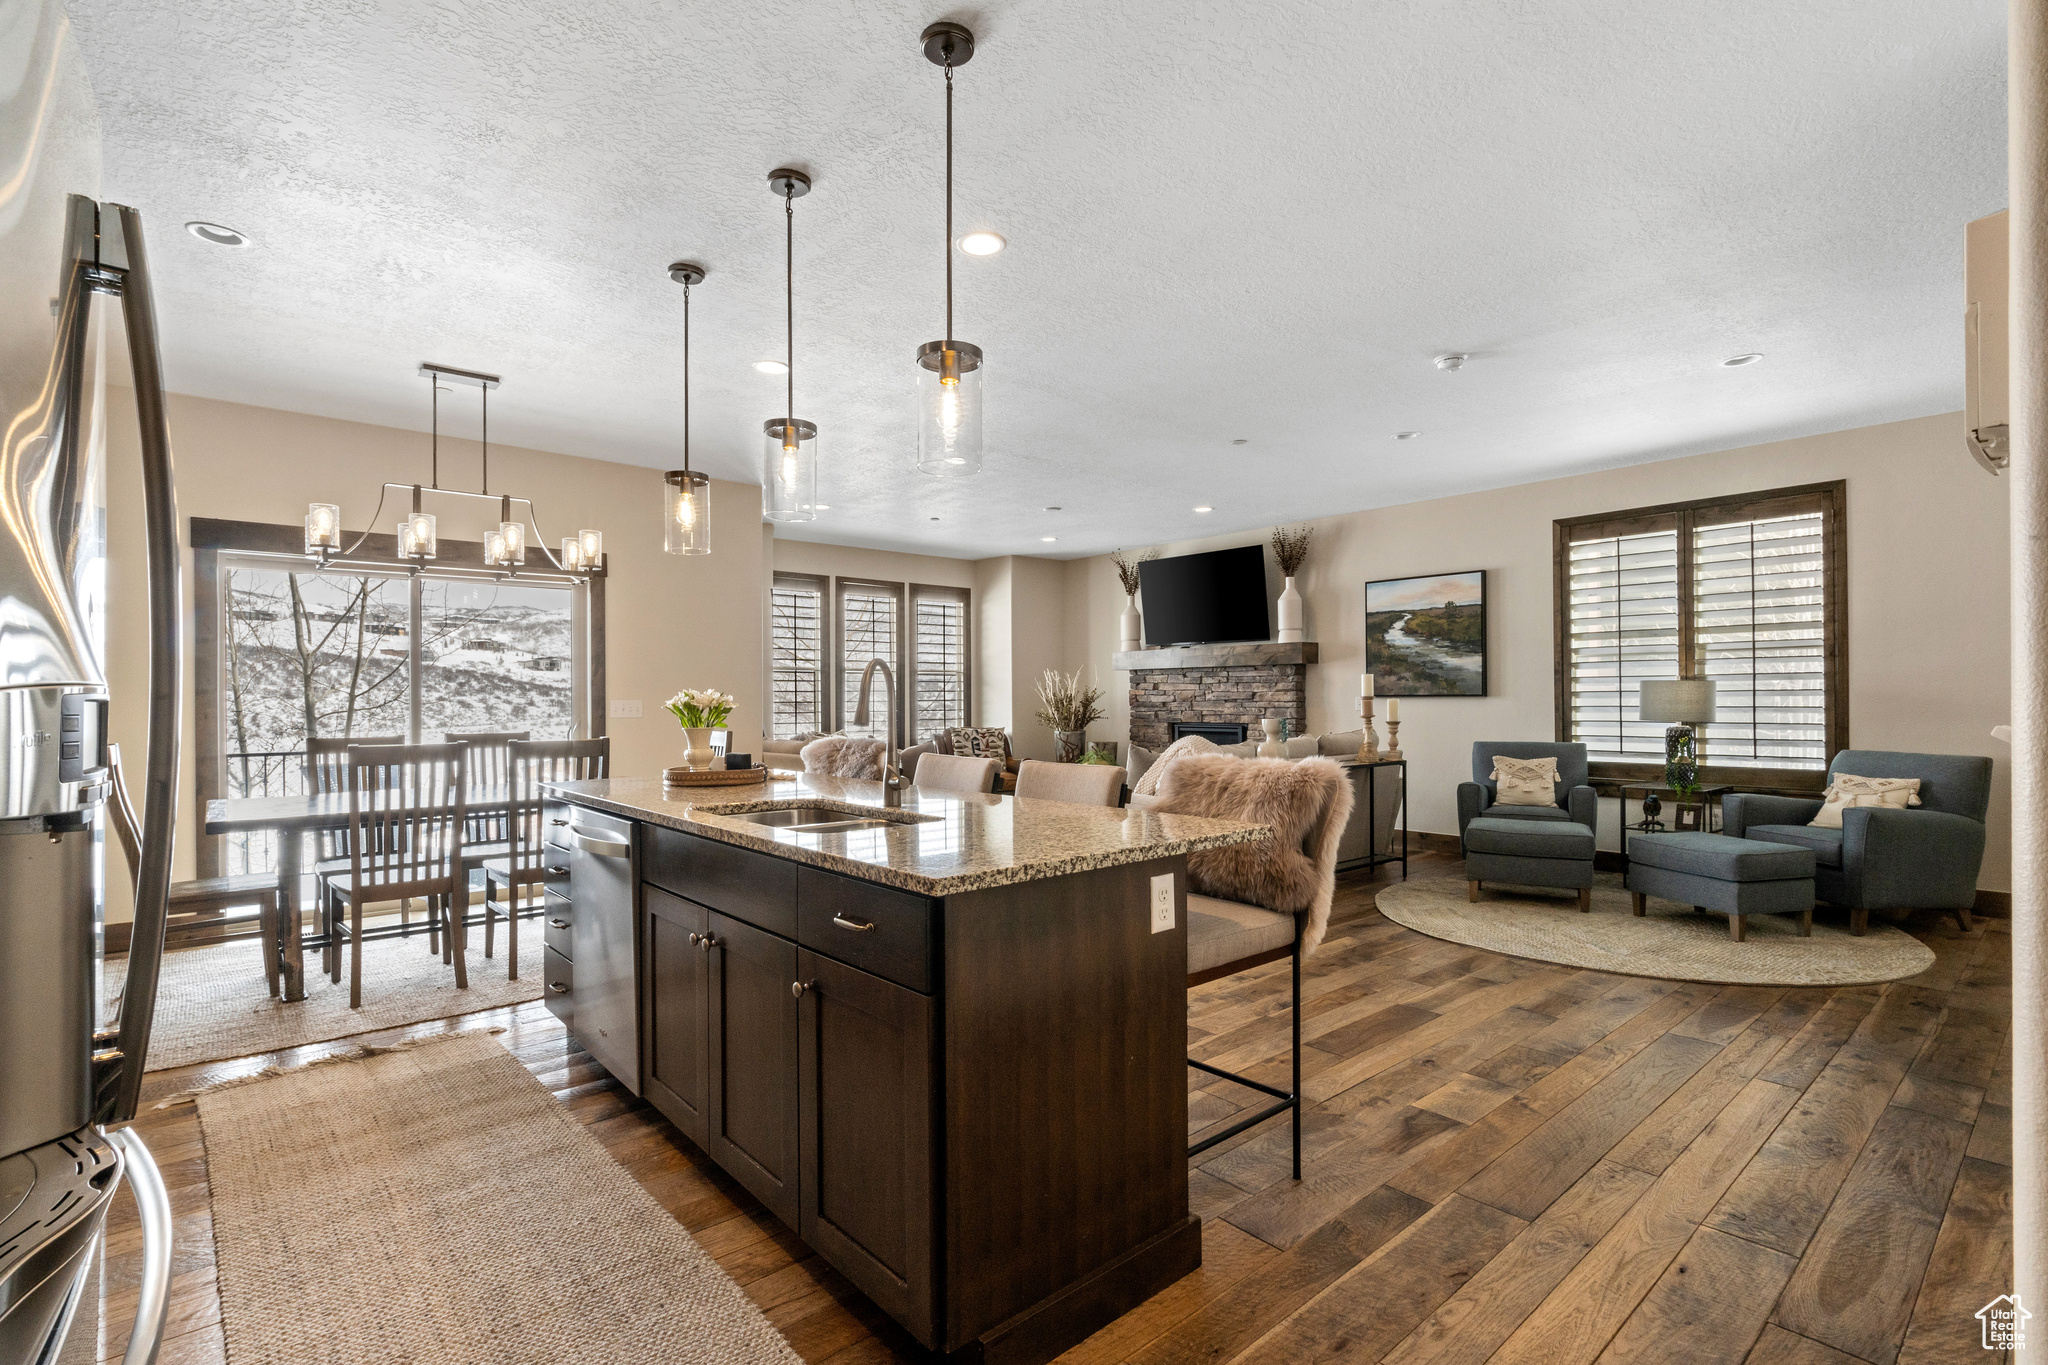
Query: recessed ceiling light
{"type": "Point", "coordinates": [1749, 359]}
{"type": "Point", "coordinates": [934, 518]}
{"type": "Point", "coordinates": [1240, 441]}
{"type": "Point", "coordinates": [1205, 509]}
{"type": "Point", "coordinates": [1048, 539]}
{"type": "Point", "coordinates": [215, 233]}
{"type": "Point", "coordinates": [771, 367]}
{"type": "Point", "coordinates": [1052, 509]}
{"type": "Point", "coordinates": [1452, 360]}
{"type": "Point", "coordinates": [981, 243]}
{"type": "Point", "coordinates": [1406, 435]}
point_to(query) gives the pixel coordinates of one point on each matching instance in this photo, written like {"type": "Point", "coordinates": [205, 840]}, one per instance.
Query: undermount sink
{"type": "Point", "coordinates": [822, 819]}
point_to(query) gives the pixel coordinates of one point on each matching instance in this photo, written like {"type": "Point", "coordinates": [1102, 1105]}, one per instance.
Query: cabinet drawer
{"type": "Point", "coordinates": [558, 981]}
{"type": "Point", "coordinates": [888, 933]}
{"type": "Point", "coordinates": [556, 927]}
{"type": "Point", "coordinates": [554, 823]}
{"type": "Point", "coordinates": [748, 886]}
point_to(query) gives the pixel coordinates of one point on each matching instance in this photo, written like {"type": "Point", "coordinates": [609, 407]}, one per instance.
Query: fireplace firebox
{"type": "Point", "coordinates": [1216, 732]}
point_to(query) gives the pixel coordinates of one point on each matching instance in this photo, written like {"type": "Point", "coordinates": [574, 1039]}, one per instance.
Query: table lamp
{"type": "Point", "coordinates": [1680, 703]}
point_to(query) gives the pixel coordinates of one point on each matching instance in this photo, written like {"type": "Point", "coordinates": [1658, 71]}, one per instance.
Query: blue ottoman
{"type": "Point", "coordinates": [1530, 853]}
{"type": "Point", "coordinates": [1738, 877]}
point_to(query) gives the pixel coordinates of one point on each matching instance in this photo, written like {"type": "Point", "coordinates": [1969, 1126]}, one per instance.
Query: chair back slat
{"type": "Point", "coordinates": [406, 805]}
{"type": "Point", "coordinates": [535, 762]}
{"type": "Point", "coordinates": [489, 769]}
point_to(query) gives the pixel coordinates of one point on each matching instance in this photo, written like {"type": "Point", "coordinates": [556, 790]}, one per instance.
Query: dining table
{"type": "Point", "coordinates": [293, 819]}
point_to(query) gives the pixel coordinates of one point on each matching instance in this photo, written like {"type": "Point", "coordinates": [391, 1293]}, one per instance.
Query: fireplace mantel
{"type": "Point", "coordinates": [1255, 654]}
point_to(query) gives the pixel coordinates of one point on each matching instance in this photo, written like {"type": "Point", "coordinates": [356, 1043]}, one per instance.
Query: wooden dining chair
{"type": "Point", "coordinates": [406, 812]}
{"type": "Point", "coordinates": [194, 902]}
{"type": "Point", "coordinates": [326, 774]}
{"type": "Point", "coordinates": [534, 762]}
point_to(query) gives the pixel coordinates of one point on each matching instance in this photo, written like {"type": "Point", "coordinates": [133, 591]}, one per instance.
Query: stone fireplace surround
{"type": "Point", "coordinates": [1235, 684]}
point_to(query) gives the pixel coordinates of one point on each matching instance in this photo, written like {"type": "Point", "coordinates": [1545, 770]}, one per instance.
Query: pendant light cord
{"type": "Point", "coordinates": [686, 380]}
{"type": "Point", "coordinates": [789, 307]}
{"type": "Point", "coordinates": [949, 205]}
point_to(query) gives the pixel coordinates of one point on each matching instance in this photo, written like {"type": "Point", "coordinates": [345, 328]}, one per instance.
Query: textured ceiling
{"type": "Point", "coordinates": [1226, 221]}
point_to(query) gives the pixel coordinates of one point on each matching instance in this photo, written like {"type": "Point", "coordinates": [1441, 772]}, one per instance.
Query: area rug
{"type": "Point", "coordinates": [437, 1206]}
{"type": "Point", "coordinates": [1671, 941]}
{"type": "Point", "coordinates": [212, 1003]}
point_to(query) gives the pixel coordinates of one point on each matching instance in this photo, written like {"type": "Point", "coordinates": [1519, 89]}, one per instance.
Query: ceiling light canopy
{"type": "Point", "coordinates": [1750, 358]}
{"type": "Point", "coordinates": [1406, 435]}
{"type": "Point", "coordinates": [949, 371]}
{"type": "Point", "coordinates": [216, 234]}
{"type": "Point", "coordinates": [982, 243]}
{"type": "Point", "coordinates": [686, 492]}
{"type": "Point", "coordinates": [1452, 360]}
{"type": "Point", "coordinates": [789, 459]}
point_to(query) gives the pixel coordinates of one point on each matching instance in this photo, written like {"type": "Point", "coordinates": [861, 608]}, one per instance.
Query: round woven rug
{"type": "Point", "coordinates": [1671, 940]}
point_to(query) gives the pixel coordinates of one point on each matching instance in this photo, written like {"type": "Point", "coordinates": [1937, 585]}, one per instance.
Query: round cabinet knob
{"type": "Point", "coordinates": [696, 939]}
{"type": "Point", "coordinates": [798, 988]}
{"type": "Point", "coordinates": [708, 942]}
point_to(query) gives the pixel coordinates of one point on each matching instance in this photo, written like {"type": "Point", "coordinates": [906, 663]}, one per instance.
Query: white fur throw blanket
{"type": "Point", "coordinates": [844, 756]}
{"type": "Point", "coordinates": [1306, 803]}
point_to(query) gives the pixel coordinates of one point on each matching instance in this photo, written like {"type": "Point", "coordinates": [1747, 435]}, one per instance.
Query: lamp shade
{"type": "Point", "coordinates": [1677, 701]}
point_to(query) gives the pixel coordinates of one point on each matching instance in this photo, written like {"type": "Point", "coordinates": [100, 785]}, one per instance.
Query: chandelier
{"type": "Point", "coordinates": [505, 550]}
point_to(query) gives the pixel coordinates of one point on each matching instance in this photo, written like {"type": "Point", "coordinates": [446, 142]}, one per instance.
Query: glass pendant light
{"type": "Point", "coordinates": [686, 494]}
{"type": "Point", "coordinates": [789, 458]}
{"type": "Point", "coordinates": [416, 534]}
{"type": "Point", "coordinates": [949, 371]}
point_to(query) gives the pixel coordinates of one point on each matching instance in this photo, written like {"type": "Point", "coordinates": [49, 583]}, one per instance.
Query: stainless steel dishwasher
{"type": "Point", "coordinates": [604, 886]}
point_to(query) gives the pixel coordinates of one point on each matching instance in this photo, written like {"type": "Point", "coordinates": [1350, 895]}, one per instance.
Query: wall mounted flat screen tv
{"type": "Point", "coordinates": [1207, 598]}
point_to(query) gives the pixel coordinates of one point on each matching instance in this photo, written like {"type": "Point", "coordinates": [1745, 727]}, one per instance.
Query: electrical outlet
{"type": "Point", "coordinates": [1162, 903]}
{"type": "Point", "coordinates": [625, 710]}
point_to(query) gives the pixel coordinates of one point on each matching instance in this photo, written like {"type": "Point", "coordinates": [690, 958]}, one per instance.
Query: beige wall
{"type": "Point", "coordinates": [672, 621]}
{"type": "Point", "coordinates": [887, 566]}
{"type": "Point", "coordinates": [1927, 598]}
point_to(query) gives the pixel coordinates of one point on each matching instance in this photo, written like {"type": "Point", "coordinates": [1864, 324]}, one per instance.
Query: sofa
{"type": "Point", "coordinates": [785, 753]}
{"type": "Point", "coordinates": [1923, 857]}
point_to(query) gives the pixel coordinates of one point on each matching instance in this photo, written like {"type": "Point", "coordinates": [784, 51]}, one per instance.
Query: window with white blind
{"type": "Point", "coordinates": [797, 681]}
{"type": "Point", "coordinates": [869, 619]}
{"type": "Point", "coordinates": [939, 682]}
{"type": "Point", "coordinates": [1747, 591]}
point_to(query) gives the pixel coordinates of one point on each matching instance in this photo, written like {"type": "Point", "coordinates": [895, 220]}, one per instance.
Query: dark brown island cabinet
{"type": "Point", "coordinates": [974, 1105]}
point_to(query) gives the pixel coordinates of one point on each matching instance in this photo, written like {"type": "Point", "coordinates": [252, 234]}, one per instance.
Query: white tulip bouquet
{"type": "Point", "coordinates": [701, 708]}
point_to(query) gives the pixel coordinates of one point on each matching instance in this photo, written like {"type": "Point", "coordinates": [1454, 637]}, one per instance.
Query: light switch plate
{"type": "Point", "coordinates": [1162, 903]}
{"type": "Point", "coordinates": [625, 710]}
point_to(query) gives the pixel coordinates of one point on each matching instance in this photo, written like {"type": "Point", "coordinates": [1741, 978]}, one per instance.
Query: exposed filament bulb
{"type": "Point", "coordinates": [686, 511]}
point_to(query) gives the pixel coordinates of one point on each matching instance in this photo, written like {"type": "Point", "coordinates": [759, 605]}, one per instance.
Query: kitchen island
{"type": "Point", "coordinates": [945, 1042]}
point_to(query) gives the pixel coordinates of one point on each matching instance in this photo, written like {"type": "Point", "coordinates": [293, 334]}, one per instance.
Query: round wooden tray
{"type": "Point", "coordinates": [713, 777]}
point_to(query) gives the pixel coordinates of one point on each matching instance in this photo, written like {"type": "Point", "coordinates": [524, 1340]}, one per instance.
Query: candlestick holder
{"type": "Point", "coordinates": [1369, 741]}
{"type": "Point", "coordinates": [1392, 753]}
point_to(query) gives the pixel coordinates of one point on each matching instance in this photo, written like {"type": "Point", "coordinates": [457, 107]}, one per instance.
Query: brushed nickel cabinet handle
{"type": "Point", "coordinates": [798, 988]}
{"type": "Point", "coordinates": [558, 822]}
{"type": "Point", "coordinates": [557, 871]}
{"type": "Point", "coordinates": [559, 923]}
{"type": "Point", "coordinates": [558, 988]}
{"type": "Point", "coordinates": [858, 926]}
{"type": "Point", "coordinates": [602, 847]}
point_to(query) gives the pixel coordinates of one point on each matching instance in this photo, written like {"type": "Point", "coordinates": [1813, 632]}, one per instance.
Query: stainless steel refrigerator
{"type": "Point", "coordinates": [71, 1069]}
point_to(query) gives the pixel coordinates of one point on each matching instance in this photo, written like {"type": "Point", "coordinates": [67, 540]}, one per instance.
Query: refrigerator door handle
{"type": "Point", "coordinates": [121, 250]}
{"type": "Point", "coordinates": [153, 1203]}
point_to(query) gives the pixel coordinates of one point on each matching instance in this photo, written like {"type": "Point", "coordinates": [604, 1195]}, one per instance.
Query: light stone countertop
{"type": "Point", "coordinates": [978, 841]}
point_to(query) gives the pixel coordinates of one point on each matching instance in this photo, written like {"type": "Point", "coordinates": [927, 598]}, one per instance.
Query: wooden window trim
{"type": "Point", "coordinates": [936, 593]}
{"type": "Point", "coordinates": [1831, 501]}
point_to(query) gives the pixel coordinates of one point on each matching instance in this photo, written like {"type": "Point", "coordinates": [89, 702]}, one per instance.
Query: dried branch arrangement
{"type": "Point", "coordinates": [1127, 568]}
{"type": "Point", "coordinates": [1290, 547]}
{"type": "Point", "coordinates": [1064, 704]}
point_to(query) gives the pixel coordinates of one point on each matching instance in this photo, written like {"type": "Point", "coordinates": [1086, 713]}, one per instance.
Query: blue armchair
{"type": "Point", "coordinates": [1576, 802]}
{"type": "Point", "coordinates": [1923, 858]}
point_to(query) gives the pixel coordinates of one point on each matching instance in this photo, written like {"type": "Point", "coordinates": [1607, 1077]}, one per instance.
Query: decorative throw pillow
{"type": "Point", "coordinates": [1846, 791]}
{"type": "Point", "coordinates": [1301, 746]}
{"type": "Point", "coordinates": [1524, 781]}
{"type": "Point", "coordinates": [1140, 763]}
{"type": "Point", "coordinates": [1248, 749]}
{"type": "Point", "coordinates": [1148, 785]}
{"type": "Point", "coordinates": [1340, 743]}
{"type": "Point", "coordinates": [980, 742]}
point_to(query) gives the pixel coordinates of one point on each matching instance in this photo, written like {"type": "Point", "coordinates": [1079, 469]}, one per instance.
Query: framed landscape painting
{"type": "Point", "coordinates": [1426, 637]}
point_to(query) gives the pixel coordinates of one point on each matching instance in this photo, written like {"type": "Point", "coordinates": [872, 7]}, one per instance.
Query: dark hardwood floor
{"type": "Point", "coordinates": [1505, 1161]}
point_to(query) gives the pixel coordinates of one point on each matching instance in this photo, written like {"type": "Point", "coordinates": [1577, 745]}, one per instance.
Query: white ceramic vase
{"type": "Point", "coordinates": [1272, 746]}
{"type": "Point", "coordinates": [1133, 634]}
{"type": "Point", "coordinates": [1290, 613]}
{"type": "Point", "coordinates": [697, 753]}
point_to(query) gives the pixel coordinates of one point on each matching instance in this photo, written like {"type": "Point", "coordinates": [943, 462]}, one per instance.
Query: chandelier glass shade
{"type": "Point", "coordinates": [417, 538]}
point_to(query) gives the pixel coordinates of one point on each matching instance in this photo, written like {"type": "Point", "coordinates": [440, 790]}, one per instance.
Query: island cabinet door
{"type": "Point", "coordinates": [752, 1110]}
{"type": "Point", "coordinates": [866, 1066]}
{"type": "Point", "coordinates": [674, 1009]}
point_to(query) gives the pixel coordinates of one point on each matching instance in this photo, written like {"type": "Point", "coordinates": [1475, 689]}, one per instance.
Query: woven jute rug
{"type": "Point", "coordinates": [1672, 941]}
{"type": "Point", "coordinates": [212, 1003]}
{"type": "Point", "coordinates": [437, 1206]}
